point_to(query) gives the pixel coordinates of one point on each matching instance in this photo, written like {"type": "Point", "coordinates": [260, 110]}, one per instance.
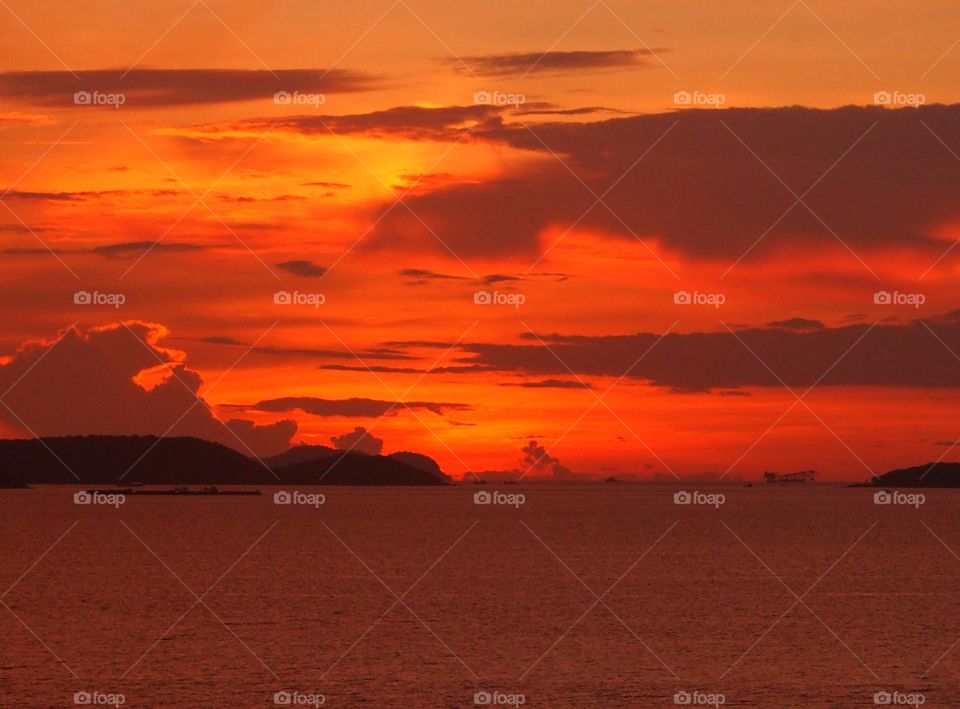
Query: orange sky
{"type": "Point", "coordinates": [590, 192]}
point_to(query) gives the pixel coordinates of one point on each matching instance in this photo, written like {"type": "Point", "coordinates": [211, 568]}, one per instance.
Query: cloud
{"type": "Point", "coordinates": [535, 463]}
{"type": "Point", "coordinates": [553, 62]}
{"type": "Point", "coordinates": [173, 87]}
{"type": "Point", "coordinates": [911, 354]}
{"type": "Point", "coordinates": [389, 353]}
{"type": "Point", "coordinates": [549, 384]}
{"type": "Point", "coordinates": [84, 196]}
{"type": "Point", "coordinates": [351, 408]}
{"type": "Point", "coordinates": [877, 178]}
{"type": "Point", "coordinates": [422, 276]}
{"type": "Point", "coordinates": [11, 119]}
{"type": "Point", "coordinates": [303, 268]}
{"type": "Point", "coordinates": [359, 440]}
{"type": "Point", "coordinates": [797, 324]}
{"type": "Point", "coordinates": [539, 462]}
{"type": "Point", "coordinates": [411, 122]}
{"type": "Point", "coordinates": [117, 379]}
{"type": "Point", "coordinates": [124, 249]}
{"type": "Point", "coordinates": [549, 109]}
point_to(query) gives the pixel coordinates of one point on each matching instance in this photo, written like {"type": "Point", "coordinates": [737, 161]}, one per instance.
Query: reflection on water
{"type": "Point", "coordinates": [619, 595]}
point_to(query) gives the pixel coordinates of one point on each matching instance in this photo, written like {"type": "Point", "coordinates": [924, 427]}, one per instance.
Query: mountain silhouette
{"type": "Point", "coordinates": [929, 475]}
{"type": "Point", "coordinates": [192, 461]}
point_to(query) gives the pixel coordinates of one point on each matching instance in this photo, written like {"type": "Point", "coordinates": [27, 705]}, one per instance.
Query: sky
{"type": "Point", "coordinates": [571, 239]}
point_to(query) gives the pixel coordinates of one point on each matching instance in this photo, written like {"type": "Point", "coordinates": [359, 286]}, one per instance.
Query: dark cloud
{"type": "Point", "coordinates": [300, 267]}
{"type": "Point", "coordinates": [550, 109]}
{"type": "Point", "coordinates": [410, 122]}
{"type": "Point", "coordinates": [420, 276]}
{"type": "Point", "coordinates": [450, 369]}
{"type": "Point", "coordinates": [351, 408]}
{"type": "Point", "coordinates": [359, 440]}
{"type": "Point", "coordinates": [551, 62]}
{"type": "Point", "coordinates": [911, 354]}
{"type": "Point", "coordinates": [124, 249]}
{"type": "Point", "coordinates": [84, 196]}
{"type": "Point", "coordinates": [797, 324]}
{"type": "Point", "coordinates": [535, 463]}
{"type": "Point", "coordinates": [549, 384]}
{"type": "Point", "coordinates": [895, 184]}
{"type": "Point", "coordinates": [99, 370]}
{"type": "Point", "coordinates": [386, 352]}
{"type": "Point", "coordinates": [172, 87]}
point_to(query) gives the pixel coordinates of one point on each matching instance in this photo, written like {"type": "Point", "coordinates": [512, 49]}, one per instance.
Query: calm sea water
{"type": "Point", "coordinates": [778, 597]}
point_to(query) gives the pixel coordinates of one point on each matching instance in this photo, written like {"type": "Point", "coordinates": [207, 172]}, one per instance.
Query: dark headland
{"type": "Point", "coordinates": [149, 460]}
{"type": "Point", "coordinates": [929, 475]}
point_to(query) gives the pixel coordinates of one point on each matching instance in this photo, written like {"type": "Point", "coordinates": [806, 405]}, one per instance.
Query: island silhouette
{"type": "Point", "coordinates": [151, 460]}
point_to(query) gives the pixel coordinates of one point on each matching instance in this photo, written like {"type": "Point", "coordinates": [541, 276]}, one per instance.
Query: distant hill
{"type": "Point", "coordinates": [325, 454]}
{"type": "Point", "coordinates": [423, 462]}
{"type": "Point", "coordinates": [105, 460]}
{"type": "Point", "coordinates": [357, 469]}
{"type": "Point", "coordinates": [300, 454]}
{"type": "Point", "coordinates": [939, 475]}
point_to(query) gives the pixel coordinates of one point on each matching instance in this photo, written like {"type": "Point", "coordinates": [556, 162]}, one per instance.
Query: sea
{"type": "Point", "coordinates": [539, 595]}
